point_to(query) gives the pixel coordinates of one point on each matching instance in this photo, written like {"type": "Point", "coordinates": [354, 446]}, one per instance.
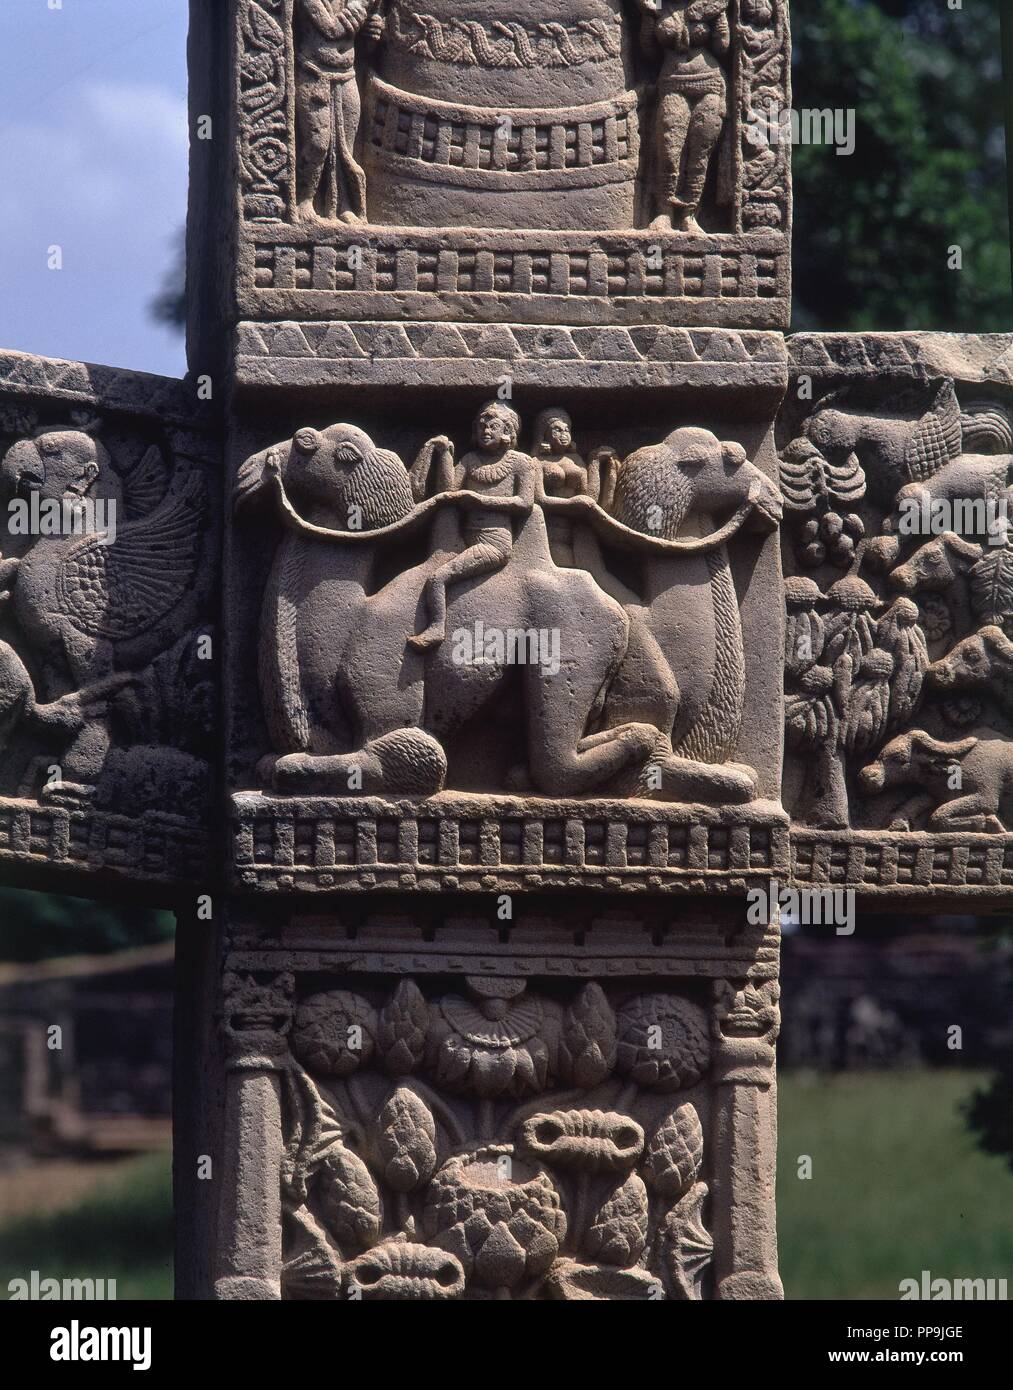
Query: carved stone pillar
{"type": "Point", "coordinates": [504, 678]}
{"type": "Point", "coordinates": [554, 1109]}
{"type": "Point", "coordinates": [498, 604]}
{"type": "Point", "coordinates": [746, 1023]}
{"type": "Point", "coordinates": [255, 1021]}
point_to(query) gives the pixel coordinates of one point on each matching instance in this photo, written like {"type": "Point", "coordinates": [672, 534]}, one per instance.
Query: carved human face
{"type": "Point", "coordinates": [558, 434]}
{"type": "Point", "coordinates": [495, 429]}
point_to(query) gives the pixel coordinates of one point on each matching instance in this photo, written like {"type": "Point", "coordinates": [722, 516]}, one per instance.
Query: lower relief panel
{"type": "Point", "coordinates": [494, 1136]}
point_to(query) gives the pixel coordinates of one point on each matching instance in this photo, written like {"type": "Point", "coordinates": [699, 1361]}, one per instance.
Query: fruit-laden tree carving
{"type": "Point", "coordinates": [911, 659]}
{"type": "Point", "coordinates": [496, 1144]}
{"type": "Point", "coordinates": [640, 698]}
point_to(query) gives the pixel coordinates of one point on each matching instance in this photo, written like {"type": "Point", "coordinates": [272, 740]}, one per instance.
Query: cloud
{"type": "Point", "coordinates": [113, 148]}
{"type": "Point", "coordinates": [100, 169]}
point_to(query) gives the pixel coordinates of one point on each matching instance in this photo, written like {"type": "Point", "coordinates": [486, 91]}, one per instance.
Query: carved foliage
{"type": "Point", "coordinates": [897, 675]}
{"type": "Point", "coordinates": [263, 108]}
{"type": "Point", "coordinates": [513, 1155]}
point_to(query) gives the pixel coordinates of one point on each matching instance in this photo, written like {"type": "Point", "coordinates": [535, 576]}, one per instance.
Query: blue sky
{"type": "Point", "coordinates": [93, 158]}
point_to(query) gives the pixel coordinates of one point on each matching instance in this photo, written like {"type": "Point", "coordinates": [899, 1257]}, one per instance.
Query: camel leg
{"type": "Point", "coordinates": [408, 761]}
{"type": "Point", "coordinates": [563, 760]}
{"type": "Point", "coordinates": [963, 813]}
{"type": "Point", "coordinates": [685, 779]}
{"type": "Point", "coordinates": [562, 768]}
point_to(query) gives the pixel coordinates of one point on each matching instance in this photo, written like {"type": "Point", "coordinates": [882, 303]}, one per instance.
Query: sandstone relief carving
{"type": "Point", "coordinates": [496, 1143]}
{"type": "Point", "coordinates": [896, 672]}
{"type": "Point", "coordinates": [106, 702]}
{"type": "Point", "coordinates": [539, 145]}
{"type": "Point", "coordinates": [498, 1137]}
{"type": "Point", "coordinates": [692, 104]}
{"type": "Point", "coordinates": [402, 111]}
{"type": "Point", "coordinates": [331, 183]}
{"type": "Point", "coordinates": [588, 673]}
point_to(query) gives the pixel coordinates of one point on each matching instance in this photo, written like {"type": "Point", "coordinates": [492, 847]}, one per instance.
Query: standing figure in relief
{"type": "Point", "coordinates": [497, 470]}
{"type": "Point", "coordinates": [331, 184]}
{"type": "Point", "coordinates": [692, 101]}
{"type": "Point", "coordinates": [564, 473]}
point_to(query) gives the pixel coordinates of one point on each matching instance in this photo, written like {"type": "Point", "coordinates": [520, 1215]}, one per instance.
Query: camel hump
{"type": "Point", "coordinates": [531, 543]}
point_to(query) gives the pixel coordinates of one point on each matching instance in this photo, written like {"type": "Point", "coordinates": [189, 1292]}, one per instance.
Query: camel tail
{"type": "Point", "coordinates": [280, 680]}
{"type": "Point", "coordinates": [715, 735]}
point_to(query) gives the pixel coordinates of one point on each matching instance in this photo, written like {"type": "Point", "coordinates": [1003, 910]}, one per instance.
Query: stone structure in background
{"type": "Point", "coordinates": [544, 556]}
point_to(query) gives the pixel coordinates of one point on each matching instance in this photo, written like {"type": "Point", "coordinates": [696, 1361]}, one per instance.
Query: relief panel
{"type": "Point", "coordinates": [899, 596]}
{"type": "Point", "coordinates": [107, 673]}
{"type": "Point", "coordinates": [610, 163]}
{"type": "Point", "coordinates": [522, 659]}
{"type": "Point", "coordinates": [499, 1137]}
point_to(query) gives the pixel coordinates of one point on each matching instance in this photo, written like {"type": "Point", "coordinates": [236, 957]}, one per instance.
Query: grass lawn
{"type": "Point", "coordinates": [122, 1230]}
{"type": "Point", "coordinates": [897, 1185]}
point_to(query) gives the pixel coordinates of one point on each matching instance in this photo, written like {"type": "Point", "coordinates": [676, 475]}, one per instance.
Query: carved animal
{"type": "Point", "coordinates": [937, 565]}
{"type": "Point", "coordinates": [967, 785]}
{"type": "Point", "coordinates": [351, 707]}
{"type": "Point", "coordinates": [893, 448]}
{"type": "Point", "coordinates": [946, 566]}
{"type": "Point", "coordinates": [974, 488]}
{"type": "Point", "coordinates": [346, 698]}
{"type": "Point", "coordinates": [83, 603]}
{"type": "Point", "coordinates": [981, 663]}
{"type": "Point", "coordinates": [689, 613]}
{"type": "Point", "coordinates": [92, 608]}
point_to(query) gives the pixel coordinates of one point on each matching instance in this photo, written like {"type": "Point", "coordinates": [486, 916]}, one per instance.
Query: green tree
{"type": "Point", "coordinates": [873, 230]}
{"type": "Point", "coordinates": [39, 926]}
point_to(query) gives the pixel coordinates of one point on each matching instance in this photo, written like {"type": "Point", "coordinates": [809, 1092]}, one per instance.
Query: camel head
{"type": "Point", "coordinates": [58, 464]}
{"type": "Point", "coordinates": [691, 471]}
{"type": "Point", "coordinates": [335, 477]}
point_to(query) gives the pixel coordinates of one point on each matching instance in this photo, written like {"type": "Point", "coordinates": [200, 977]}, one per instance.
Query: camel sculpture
{"type": "Point", "coordinates": [352, 706]}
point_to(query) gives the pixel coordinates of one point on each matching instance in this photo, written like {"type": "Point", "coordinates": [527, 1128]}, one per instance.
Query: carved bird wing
{"type": "Point", "coordinates": [146, 483]}
{"type": "Point", "coordinates": [118, 589]}
{"type": "Point", "coordinates": [936, 438]}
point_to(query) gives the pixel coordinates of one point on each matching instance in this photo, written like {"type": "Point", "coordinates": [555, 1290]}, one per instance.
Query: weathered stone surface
{"type": "Point", "coordinates": [501, 1134]}
{"type": "Point", "coordinates": [540, 545]}
{"type": "Point", "coordinates": [897, 461]}
{"type": "Point", "coordinates": [599, 166]}
{"type": "Point", "coordinates": [289, 357]}
{"type": "Point", "coordinates": [560, 697]}
{"type": "Point", "coordinates": [108, 691]}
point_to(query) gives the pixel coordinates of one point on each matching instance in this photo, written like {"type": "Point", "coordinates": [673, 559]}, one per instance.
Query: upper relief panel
{"type": "Point", "coordinates": [442, 160]}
